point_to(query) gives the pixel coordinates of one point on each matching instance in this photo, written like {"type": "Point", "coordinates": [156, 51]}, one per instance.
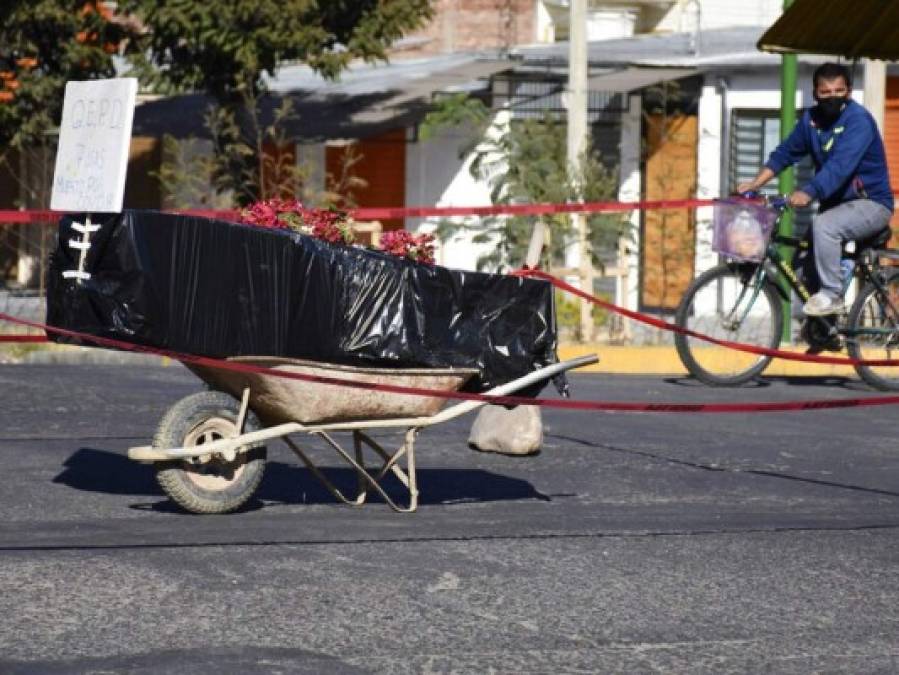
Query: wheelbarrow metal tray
{"type": "Point", "coordinates": [218, 289]}
{"type": "Point", "coordinates": [277, 400]}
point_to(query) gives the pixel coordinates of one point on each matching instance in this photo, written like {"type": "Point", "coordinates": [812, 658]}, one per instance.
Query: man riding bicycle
{"type": "Point", "coordinates": [851, 181]}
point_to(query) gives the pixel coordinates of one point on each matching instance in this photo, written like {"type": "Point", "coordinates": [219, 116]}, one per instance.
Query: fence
{"type": "Point", "coordinates": [25, 246]}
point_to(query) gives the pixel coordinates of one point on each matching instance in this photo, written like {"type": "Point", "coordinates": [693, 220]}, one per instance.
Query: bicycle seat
{"type": "Point", "coordinates": [876, 241]}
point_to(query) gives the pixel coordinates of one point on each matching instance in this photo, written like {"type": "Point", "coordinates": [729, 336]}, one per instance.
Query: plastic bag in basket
{"type": "Point", "coordinates": [742, 230]}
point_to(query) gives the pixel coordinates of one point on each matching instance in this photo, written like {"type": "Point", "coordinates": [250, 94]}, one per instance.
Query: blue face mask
{"type": "Point", "coordinates": [829, 109]}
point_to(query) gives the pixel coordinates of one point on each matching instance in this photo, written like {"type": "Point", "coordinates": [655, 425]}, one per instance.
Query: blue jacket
{"type": "Point", "coordinates": [850, 162]}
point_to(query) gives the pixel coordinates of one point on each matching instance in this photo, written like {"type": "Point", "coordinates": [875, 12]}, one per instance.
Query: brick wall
{"type": "Point", "coordinates": [472, 25]}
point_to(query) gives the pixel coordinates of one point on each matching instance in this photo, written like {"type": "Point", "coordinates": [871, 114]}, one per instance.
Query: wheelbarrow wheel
{"type": "Point", "coordinates": [211, 483]}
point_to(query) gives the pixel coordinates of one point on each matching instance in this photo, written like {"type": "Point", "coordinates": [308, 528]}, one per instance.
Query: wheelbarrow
{"type": "Point", "coordinates": [209, 448]}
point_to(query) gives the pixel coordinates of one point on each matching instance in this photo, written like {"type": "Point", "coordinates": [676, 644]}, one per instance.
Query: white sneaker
{"type": "Point", "coordinates": [821, 304]}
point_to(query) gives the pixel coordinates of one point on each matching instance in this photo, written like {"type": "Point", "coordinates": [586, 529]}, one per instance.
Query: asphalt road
{"type": "Point", "coordinates": [632, 543]}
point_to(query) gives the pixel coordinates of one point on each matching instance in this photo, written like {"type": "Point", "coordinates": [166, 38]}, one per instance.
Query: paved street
{"type": "Point", "coordinates": [632, 543]}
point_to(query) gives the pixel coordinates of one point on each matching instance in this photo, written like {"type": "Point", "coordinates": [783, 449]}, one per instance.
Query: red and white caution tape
{"type": "Point", "coordinates": [383, 213]}
{"type": "Point", "coordinates": [737, 346]}
{"type": "Point", "coordinates": [567, 404]}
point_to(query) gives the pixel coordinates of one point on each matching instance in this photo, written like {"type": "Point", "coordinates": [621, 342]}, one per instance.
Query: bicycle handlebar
{"type": "Point", "coordinates": [776, 202]}
{"type": "Point", "coordinates": [780, 202]}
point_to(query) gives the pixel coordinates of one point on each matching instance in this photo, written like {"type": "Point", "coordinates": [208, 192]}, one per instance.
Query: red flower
{"type": "Point", "coordinates": [406, 245]}
{"type": "Point", "coordinates": [333, 226]}
{"type": "Point", "coordinates": [329, 225]}
{"type": "Point", "coordinates": [265, 214]}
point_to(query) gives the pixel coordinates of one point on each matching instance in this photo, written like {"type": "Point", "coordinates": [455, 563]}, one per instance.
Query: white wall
{"type": "Point", "coordinates": [605, 21]}
{"type": "Point", "coordinates": [546, 26]}
{"type": "Point", "coordinates": [627, 291]}
{"type": "Point", "coordinates": [709, 167]}
{"type": "Point", "coordinates": [721, 14]}
{"type": "Point", "coordinates": [611, 22]}
{"type": "Point", "coordinates": [436, 176]}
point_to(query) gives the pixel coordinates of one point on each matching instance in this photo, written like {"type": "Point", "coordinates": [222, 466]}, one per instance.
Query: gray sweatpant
{"type": "Point", "coordinates": [849, 221]}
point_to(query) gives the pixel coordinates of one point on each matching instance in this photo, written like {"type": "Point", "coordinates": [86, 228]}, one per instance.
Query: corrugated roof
{"type": "Point", "coordinates": [861, 28]}
{"type": "Point", "coordinates": [366, 78]}
{"type": "Point", "coordinates": [368, 99]}
{"type": "Point", "coordinates": [727, 47]}
{"type": "Point", "coordinates": [632, 78]}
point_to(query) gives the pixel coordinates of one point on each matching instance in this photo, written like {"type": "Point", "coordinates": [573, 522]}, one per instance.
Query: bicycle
{"type": "Point", "coordinates": [739, 300]}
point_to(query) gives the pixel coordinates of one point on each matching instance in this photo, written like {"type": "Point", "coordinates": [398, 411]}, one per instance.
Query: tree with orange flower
{"type": "Point", "coordinates": [43, 45]}
{"type": "Point", "coordinates": [224, 49]}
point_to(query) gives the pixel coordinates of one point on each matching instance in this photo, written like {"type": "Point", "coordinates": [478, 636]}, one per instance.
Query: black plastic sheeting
{"type": "Point", "coordinates": [219, 289]}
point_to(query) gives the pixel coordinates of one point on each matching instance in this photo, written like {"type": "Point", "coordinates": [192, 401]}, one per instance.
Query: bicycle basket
{"type": "Point", "coordinates": [742, 230]}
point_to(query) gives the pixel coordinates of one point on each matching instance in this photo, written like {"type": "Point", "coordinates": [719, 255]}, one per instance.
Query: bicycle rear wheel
{"type": "Point", "coordinates": [726, 303]}
{"type": "Point", "coordinates": [873, 332]}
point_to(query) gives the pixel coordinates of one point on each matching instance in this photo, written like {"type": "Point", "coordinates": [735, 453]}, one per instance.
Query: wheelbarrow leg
{"type": "Point", "coordinates": [362, 486]}
{"type": "Point", "coordinates": [391, 461]}
{"type": "Point", "coordinates": [408, 477]}
{"type": "Point", "coordinates": [366, 479]}
{"type": "Point", "coordinates": [319, 475]}
{"type": "Point", "coordinates": [410, 468]}
{"type": "Point", "coordinates": [373, 482]}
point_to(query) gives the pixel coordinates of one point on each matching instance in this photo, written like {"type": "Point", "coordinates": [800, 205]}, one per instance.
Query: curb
{"type": "Point", "coordinates": [613, 359]}
{"type": "Point", "coordinates": [663, 360]}
{"type": "Point", "coordinates": [70, 355]}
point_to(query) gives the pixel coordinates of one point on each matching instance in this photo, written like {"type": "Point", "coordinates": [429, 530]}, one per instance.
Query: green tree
{"type": "Point", "coordinates": [227, 49]}
{"type": "Point", "coordinates": [224, 48]}
{"type": "Point", "coordinates": [526, 162]}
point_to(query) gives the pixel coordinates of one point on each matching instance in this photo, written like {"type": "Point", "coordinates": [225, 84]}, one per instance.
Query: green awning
{"type": "Point", "coordinates": [848, 28]}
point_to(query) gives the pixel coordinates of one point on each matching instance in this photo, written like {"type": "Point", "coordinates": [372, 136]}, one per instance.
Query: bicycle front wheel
{"type": "Point", "coordinates": [873, 332]}
{"type": "Point", "coordinates": [728, 303]}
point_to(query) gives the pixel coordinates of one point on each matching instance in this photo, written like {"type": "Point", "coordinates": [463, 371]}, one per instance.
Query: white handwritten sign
{"type": "Point", "coordinates": [94, 139]}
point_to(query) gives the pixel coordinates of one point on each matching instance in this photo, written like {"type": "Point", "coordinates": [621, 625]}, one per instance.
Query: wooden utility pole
{"type": "Point", "coordinates": [575, 100]}
{"type": "Point", "coordinates": [577, 145]}
{"type": "Point", "coordinates": [875, 89]}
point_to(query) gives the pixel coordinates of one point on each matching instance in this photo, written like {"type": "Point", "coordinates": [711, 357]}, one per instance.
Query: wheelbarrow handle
{"type": "Point", "coordinates": [515, 385]}
{"type": "Point", "coordinates": [578, 361]}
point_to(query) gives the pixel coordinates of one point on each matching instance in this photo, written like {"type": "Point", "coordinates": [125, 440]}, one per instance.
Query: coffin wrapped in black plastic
{"type": "Point", "coordinates": [219, 289]}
